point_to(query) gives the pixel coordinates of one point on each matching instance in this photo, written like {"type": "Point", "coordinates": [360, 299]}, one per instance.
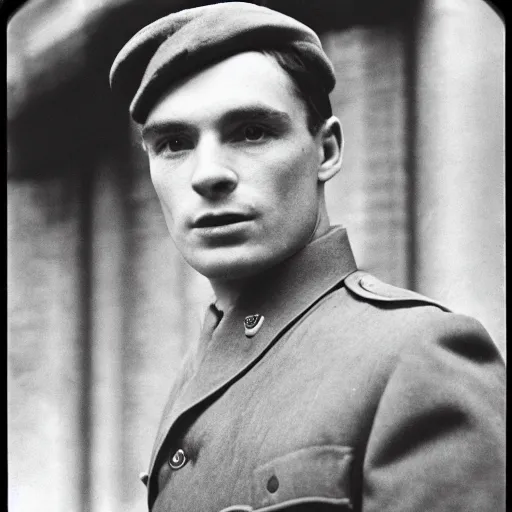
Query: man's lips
{"type": "Point", "coordinates": [211, 220]}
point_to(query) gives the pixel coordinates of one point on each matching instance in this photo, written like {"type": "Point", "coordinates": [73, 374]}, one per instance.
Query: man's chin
{"type": "Point", "coordinates": [230, 272]}
{"type": "Point", "coordinates": [231, 266]}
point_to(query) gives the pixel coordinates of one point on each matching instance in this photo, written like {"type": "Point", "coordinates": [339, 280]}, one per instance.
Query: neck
{"type": "Point", "coordinates": [227, 291]}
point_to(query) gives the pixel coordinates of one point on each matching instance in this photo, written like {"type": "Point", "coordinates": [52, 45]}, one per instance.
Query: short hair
{"type": "Point", "coordinates": [308, 87]}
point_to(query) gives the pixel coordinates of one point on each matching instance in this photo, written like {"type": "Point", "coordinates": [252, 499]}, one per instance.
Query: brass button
{"type": "Point", "coordinates": [178, 460]}
{"type": "Point", "coordinates": [272, 484]}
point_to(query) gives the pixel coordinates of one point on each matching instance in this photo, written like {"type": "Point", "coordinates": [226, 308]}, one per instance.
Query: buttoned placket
{"type": "Point", "coordinates": [213, 315]}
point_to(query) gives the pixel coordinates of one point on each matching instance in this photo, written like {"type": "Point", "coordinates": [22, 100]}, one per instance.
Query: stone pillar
{"type": "Point", "coordinates": [108, 259]}
{"type": "Point", "coordinates": [46, 385]}
{"type": "Point", "coordinates": [459, 175]}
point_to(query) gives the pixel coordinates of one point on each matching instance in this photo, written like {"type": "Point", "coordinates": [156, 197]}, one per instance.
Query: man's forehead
{"type": "Point", "coordinates": [249, 81]}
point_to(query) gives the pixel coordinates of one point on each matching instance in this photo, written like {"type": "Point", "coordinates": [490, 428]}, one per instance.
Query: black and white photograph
{"type": "Point", "coordinates": [256, 256]}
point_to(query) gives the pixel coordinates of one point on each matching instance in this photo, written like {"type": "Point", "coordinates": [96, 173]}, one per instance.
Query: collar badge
{"type": "Point", "coordinates": [252, 324]}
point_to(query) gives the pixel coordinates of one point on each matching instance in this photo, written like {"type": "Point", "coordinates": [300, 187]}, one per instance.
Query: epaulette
{"type": "Point", "coordinates": [369, 287]}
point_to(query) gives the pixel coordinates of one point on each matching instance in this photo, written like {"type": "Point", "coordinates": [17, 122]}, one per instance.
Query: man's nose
{"type": "Point", "coordinates": [212, 176]}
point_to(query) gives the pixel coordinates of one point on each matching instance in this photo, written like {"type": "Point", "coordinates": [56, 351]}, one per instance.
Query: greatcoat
{"type": "Point", "coordinates": [349, 394]}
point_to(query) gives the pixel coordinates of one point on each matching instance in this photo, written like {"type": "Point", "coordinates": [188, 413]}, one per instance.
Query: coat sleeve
{"type": "Point", "coordinates": [437, 442]}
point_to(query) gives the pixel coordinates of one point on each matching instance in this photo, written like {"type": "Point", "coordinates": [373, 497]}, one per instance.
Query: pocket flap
{"type": "Point", "coordinates": [316, 474]}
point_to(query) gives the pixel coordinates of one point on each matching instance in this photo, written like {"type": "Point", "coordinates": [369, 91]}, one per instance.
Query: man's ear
{"type": "Point", "coordinates": [331, 139]}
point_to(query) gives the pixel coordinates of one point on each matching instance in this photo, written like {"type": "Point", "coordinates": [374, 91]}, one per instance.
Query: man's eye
{"type": "Point", "coordinates": [174, 144]}
{"type": "Point", "coordinates": [254, 133]}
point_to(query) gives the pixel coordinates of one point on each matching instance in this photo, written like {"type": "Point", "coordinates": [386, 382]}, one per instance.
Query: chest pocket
{"type": "Point", "coordinates": [314, 475]}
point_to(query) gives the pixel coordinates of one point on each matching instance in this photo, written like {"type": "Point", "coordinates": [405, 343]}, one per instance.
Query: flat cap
{"type": "Point", "coordinates": [187, 41]}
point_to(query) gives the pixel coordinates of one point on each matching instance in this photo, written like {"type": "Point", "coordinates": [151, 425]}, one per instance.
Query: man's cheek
{"type": "Point", "coordinates": [280, 181]}
{"type": "Point", "coordinates": [293, 186]}
{"type": "Point", "coordinates": [162, 189]}
{"type": "Point", "coordinates": [166, 203]}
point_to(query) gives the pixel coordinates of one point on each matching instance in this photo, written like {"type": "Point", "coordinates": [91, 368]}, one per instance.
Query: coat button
{"type": "Point", "coordinates": [178, 460]}
{"type": "Point", "coordinates": [272, 484]}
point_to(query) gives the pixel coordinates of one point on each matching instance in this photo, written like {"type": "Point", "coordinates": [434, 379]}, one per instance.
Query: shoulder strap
{"type": "Point", "coordinates": [369, 287]}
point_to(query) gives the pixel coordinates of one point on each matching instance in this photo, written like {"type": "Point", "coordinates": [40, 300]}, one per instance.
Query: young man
{"type": "Point", "coordinates": [315, 386]}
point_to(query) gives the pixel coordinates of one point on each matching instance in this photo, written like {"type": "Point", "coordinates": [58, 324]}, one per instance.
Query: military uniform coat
{"type": "Point", "coordinates": [348, 394]}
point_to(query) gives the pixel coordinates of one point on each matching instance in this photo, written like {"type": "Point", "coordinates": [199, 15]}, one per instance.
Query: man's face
{"type": "Point", "coordinates": [235, 167]}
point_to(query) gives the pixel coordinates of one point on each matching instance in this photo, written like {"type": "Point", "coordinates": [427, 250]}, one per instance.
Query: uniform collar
{"type": "Point", "coordinates": [285, 290]}
{"type": "Point", "coordinates": [281, 295]}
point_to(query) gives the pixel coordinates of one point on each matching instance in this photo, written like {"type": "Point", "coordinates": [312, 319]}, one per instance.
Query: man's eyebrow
{"type": "Point", "coordinates": [256, 113]}
{"type": "Point", "coordinates": [155, 128]}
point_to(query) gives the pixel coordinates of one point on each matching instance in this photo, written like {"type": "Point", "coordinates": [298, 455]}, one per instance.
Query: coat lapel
{"type": "Point", "coordinates": [282, 295]}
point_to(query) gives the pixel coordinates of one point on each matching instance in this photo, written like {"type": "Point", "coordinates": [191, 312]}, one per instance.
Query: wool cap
{"type": "Point", "coordinates": [183, 43]}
